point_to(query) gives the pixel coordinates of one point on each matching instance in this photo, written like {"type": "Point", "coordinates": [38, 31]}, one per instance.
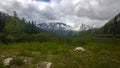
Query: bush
{"type": "Point", "coordinates": [18, 62]}
{"type": "Point", "coordinates": [75, 41]}
{"type": "Point", "coordinates": [2, 37]}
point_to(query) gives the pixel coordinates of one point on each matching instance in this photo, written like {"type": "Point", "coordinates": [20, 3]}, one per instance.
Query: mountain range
{"type": "Point", "coordinates": [54, 26]}
{"type": "Point", "coordinates": [58, 28]}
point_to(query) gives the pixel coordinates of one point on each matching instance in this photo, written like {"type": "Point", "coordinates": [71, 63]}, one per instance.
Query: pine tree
{"type": "Point", "coordinates": [2, 21]}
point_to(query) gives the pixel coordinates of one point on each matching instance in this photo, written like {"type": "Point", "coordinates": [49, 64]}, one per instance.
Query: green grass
{"type": "Point", "coordinates": [99, 54]}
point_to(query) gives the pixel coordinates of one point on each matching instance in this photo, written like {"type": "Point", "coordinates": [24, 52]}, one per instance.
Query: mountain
{"type": "Point", "coordinates": [111, 27]}
{"type": "Point", "coordinates": [58, 28]}
{"type": "Point", "coordinates": [54, 26]}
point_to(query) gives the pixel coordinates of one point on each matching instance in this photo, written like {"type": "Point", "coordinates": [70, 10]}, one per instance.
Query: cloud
{"type": "Point", "coordinates": [99, 9]}
{"type": "Point", "coordinates": [74, 12]}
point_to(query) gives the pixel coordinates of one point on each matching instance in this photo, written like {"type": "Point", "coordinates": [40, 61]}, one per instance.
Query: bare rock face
{"type": "Point", "coordinates": [7, 61]}
{"type": "Point", "coordinates": [44, 65]}
{"type": "Point", "coordinates": [79, 49]}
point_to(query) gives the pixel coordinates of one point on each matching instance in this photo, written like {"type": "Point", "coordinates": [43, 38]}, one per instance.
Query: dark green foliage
{"type": "Point", "coordinates": [15, 29]}
{"type": "Point", "coordinates": [2, 66]}
{"type": "Point", "coordinates": [31, 28]}
{"type": "Point", "coordinates": [2, 37]}
{"type": "Point", "coordinates": [45, 37]}
{"type": "Point", "coordinates": [75, 41]}
{"type": "Point", "coordinates": [15, 25]}
{"type": "Point", "coordinates": [18, 62]}
{"type": "Point", "coordinates": [112, 27]}
{"type": "Point", "coordinates": [3, 18]}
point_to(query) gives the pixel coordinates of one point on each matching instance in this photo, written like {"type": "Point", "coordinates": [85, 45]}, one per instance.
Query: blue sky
{"type": "Point", "coordinates": [44, 0]}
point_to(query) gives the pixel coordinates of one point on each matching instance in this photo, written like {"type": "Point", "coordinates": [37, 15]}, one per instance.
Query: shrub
{"type": "Point", "coordinates": [18, 62]}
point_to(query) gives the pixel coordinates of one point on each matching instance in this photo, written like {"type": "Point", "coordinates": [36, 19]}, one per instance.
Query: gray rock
{"type": "Point", "coordinates": [44, 65]}
{"type": "Point", "coordinates": [7, 61]}
{"type": "Point", "coordinates": [79, 49]}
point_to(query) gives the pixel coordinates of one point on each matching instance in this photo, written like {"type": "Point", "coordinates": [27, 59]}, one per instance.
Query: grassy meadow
{"type": "Point", "coordinates": [99, 53]}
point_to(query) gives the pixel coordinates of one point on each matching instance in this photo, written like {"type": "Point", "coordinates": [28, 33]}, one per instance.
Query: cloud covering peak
{"type": "Point", "coordinates": [72, 12]}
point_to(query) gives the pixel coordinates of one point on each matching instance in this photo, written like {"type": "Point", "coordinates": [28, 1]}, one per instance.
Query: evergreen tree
{"type": "Point", "coordinates": [2, 21]}
{"type": "Point", "coordinates": [15, 25]}
{"type": "Point", "coordinates": [31, 28]}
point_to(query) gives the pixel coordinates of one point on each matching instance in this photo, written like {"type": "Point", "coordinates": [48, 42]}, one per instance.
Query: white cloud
{"type": "Point", "coordinates": [74, 12]}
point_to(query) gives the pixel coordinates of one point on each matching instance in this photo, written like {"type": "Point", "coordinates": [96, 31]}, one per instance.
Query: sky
{"type": "Point", "coordinates": [93, 13]}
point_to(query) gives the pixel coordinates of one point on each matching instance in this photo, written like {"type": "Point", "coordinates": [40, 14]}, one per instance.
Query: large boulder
{"type": "Point", "coordinates": [79, 49]}
{"type": "Point", "coordinates": [7, 61]}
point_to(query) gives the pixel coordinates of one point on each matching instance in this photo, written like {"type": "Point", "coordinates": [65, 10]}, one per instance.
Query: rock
{"type": "Point", "coordinates": [7, 61]}
{"type": "Point", "coordinates": [2, 56]}
{"type": "Point", "coordinates": [26, 60]}
{"type": "Point", "coordinates": [44, 65]}
{"type": "Point", "coordinates": [79, 49]}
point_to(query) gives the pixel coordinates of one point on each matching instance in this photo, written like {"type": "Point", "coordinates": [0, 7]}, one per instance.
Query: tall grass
{"type": "Point", "coordinates": [99, 54]}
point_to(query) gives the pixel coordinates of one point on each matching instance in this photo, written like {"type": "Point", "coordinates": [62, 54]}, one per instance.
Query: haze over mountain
{"type": "Point", "coordinates": [72, 12]}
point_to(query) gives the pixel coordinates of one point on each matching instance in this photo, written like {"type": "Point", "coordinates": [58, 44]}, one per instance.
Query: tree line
{"type": "Point", "coordinates": [14, 27]}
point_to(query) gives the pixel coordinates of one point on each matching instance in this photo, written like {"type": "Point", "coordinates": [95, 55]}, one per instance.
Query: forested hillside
{"type": "Point", "coordinates": [15, 25]}
{"type": "Point", "coordinates": [14, 28]}
{"type": "Point", "coordinates": [111, 27]}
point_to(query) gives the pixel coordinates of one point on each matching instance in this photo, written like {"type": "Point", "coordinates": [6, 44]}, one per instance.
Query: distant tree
{"type": "Point", "coordinates": [15, 25]}
{"type": "Point", "coordinates": [115, 28]}
{"type": "Point", "coordinates": [13, 28]}
{"type": "Point", "coordinates": [82, 27]}
{"type": "Point", "coordinates": [2, 21]}
{"type": "Point", "coordinates": [11, 25]}
{"type": "Point", "coordinates": [31, 28]}
{"type": "Point", "coordinates": [15, 14]}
